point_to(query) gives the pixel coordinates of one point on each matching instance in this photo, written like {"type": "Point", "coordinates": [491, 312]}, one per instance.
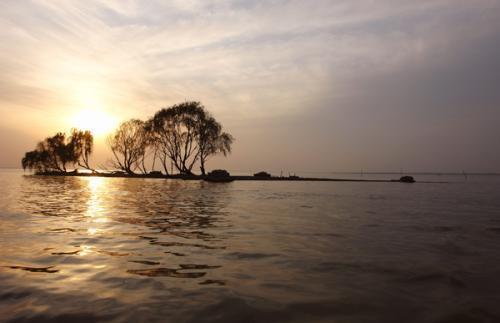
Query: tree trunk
{"type": "Point", "coordinates": [163, 160]}
{"type": "Point", "coordinates": [202, 166]}
{"type": "Point", "coordinates": [154, 161]}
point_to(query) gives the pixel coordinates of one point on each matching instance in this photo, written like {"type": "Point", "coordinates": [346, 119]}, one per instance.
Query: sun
{"type": "Point", "coordinates": [98, 122]}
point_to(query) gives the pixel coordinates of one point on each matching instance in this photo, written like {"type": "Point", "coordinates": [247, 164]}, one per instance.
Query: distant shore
{"type": "Point", "coordinates": [227, 179]}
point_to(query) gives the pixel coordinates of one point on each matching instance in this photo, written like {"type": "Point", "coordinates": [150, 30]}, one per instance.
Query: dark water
{"type": "Point", "coordinates": [138, 250]}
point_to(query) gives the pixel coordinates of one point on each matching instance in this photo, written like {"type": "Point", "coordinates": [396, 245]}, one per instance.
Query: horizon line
{"type": "Point", "coordinates": [494, 173]}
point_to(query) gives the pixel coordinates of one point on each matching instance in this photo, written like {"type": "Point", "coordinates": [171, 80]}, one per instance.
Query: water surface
{"type": "Point", "coordinates": [153, 250]}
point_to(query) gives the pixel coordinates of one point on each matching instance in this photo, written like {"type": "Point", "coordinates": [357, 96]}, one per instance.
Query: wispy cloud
{"type": "Point", "coordinates": [358, 68]}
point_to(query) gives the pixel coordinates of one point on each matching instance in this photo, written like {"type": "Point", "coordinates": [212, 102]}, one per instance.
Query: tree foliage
{"type": "Point", "coordinates": [56, 153]}
{"type": "Point", "coordinates": [83, 145]}
{"type": "Point", "coordinates": [181, 135]}
{"type": "Point", "coordinates": [211, 140]}
{"type": "Point", "coordinates": [174, 130]}
{"type": "Point", "coordinates": [186, 133]}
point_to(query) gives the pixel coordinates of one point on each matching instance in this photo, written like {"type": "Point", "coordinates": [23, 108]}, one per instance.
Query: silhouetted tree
{"type": "Point", "coordinates": [185, 134]}
{"type": "Point", "coordinates": [36, 160]}
{"type": "Point", "coordinates": [128, 145]}
{"type": "Point", "coordinates": [83, 144]}
{"type": "Point", "coordinates": [175, 129]}
{"type": "Point", "coordinates": [55, 153]}
{"type": "Point", "coordinates": [61, 153]}
{"type": "Point", "coordinates": [159, 135]}
{"type": "Point", "coordinates": [211, 140]}
{"type": "Point", "coordinates": [147, 141]}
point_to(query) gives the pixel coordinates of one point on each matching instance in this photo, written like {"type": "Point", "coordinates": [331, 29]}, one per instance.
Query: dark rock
{"type": "Point", "coordinates": [219, 173]}
{"type": "Point", "coordinates": [407, 179]}
{"type": "Point", "coordinates": [262, 174]}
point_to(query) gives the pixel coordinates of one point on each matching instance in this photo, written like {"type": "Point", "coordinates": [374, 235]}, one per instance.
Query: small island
{"type": "Point", "coordinates": [178, 137]}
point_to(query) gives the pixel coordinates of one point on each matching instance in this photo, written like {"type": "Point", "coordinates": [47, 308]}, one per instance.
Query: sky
{"type": "Point", "coordinates": [384, 85]}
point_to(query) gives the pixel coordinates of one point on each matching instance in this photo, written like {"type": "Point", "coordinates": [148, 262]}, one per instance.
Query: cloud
{"type": "Point", "coordinates": [348, 70]}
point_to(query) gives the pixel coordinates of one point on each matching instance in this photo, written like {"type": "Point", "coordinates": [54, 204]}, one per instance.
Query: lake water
{"type": "Point", "coordinates": [148, 250]}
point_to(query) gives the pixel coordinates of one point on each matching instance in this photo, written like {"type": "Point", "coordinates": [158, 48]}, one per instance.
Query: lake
{"type": "Point", "coordinates": [153, 250]}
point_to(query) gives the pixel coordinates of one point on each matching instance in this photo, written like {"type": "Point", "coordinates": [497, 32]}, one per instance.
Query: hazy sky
{"type": "Point", "coordinates": [302, 85]}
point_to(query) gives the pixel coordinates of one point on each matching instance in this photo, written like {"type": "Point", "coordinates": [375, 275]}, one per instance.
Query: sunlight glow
{"type": "Point", "coordinates": [98, 122]}
{"type": "Point", "coordinates": [93, 231]}
{"type": "Point", "coordinates": [95, 207]}
{"type": "Point", "coordinates": [85, 250]}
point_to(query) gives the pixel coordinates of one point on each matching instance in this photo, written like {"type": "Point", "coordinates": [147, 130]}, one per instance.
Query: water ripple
{"type": "Point", "coordinates": [142, 250]}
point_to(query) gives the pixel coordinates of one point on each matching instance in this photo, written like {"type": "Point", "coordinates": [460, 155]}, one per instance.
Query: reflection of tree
{"type": "Point", "coordinates": [169, 214]}
{"type": "Point", "coordinates": [181, 209]}
{"type": "Point", "coordinates": [53, 196]}
{"type": "Point", "coordinates": [152, 228]}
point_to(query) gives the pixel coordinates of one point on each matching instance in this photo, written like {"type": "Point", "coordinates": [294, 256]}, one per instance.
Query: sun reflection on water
{"type": "Point", "coordinates": [85, 250]}
{"type": "Point", "coordinates": [95, 204]}
{"type": "Point", "coordinates": [93, 231]}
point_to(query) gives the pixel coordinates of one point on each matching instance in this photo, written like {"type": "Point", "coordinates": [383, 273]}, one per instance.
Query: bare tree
{"type": "Point", "coordinates": [150, 147]}
{"type": "Point", "coordinates": [128, 145]}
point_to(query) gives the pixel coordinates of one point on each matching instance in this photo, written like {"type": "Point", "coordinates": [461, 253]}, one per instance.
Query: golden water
{"type": "Point", "coordinates": [145, 250]}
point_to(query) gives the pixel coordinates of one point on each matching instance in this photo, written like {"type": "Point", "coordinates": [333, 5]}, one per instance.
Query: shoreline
{"type": "Point", "coordinates": [228, 179]}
